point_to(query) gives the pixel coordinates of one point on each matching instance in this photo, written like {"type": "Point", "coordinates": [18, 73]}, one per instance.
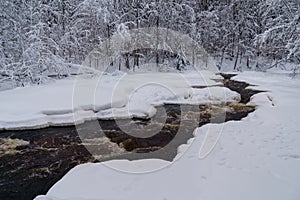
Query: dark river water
{"type": "Point", "coordinates": [32, 161]}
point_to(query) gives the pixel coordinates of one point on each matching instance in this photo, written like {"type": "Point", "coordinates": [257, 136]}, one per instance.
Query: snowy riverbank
{"type": "Point", "coordinates": [111, 95]}
{"type": "Point", "coordinates": [256, 158]}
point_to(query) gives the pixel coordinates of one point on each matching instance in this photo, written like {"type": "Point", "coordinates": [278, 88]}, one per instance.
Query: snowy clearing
{"type": "Point", "coordinates": [256, 158]}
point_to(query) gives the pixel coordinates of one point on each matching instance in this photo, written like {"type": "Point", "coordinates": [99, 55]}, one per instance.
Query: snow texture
{"type": "Point", "coordinates": [255, 158]}
{"type": "Point", "coordinates": [105, 96]}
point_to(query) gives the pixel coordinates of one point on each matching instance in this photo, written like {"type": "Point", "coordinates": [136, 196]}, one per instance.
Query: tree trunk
{"type": "Point", "coordinates": [248, 62]}
{"type": "Point", "coordinates": [236, 60]}
{"type": "Point", "coordinates": [127, 61]}
{"type": "Point", "coordinates": [157, 37]}
{"type": "Point", "coordinates": [222, 57]}
{"type": "Point", "coordinates": [136, 56]}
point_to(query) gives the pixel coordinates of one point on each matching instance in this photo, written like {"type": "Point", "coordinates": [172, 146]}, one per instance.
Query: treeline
{"type": "Point", "coordinates": [42, 37]}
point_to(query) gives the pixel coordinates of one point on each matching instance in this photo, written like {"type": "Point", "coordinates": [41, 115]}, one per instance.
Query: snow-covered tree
{"type": "Point", "coordinates": [38, 38]}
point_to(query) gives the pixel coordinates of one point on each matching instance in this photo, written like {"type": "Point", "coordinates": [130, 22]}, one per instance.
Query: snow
{"type": "Point", "coordinates": [255, 158]}
{"type": "Point", "coordinates": [104, 96]}
{"type": "Point", "coordinates": [264, 64]}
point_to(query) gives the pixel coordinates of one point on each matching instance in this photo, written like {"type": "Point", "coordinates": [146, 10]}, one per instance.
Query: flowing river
{"type": "Point", "coordinates": [31, 161]}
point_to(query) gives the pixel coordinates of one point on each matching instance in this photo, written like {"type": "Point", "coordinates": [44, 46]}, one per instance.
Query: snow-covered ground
{"type": "Point", "coordinates": [255, 158]}
{"type": "Point", "coordinates": [104, 96]}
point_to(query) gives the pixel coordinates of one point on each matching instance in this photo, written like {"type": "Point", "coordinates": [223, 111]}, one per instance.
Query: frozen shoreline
{"type": "Point", "coordinates": [256, 158]}
{"type": "Point", "coordinates": [73, 101]}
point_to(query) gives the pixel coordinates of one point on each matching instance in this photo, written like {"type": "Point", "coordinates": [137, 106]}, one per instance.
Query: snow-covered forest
{"type": "Point", "coordinates": [149, 99]}
{"type": "Point", "coordinates": [47, 38]}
